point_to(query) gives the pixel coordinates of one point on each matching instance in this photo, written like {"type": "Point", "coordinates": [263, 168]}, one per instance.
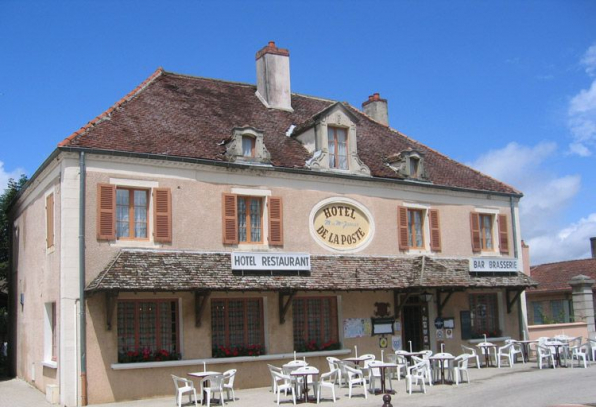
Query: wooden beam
{"type": "Point", "coordinates": [441, 304]}
{"type": "Point", "coordinates": [397, 305]}
{"type": "Point", "coordinates": [511, 302]}
{"type": "Point", "coordinates": [201, 298]}
{"type": "Point", "coordinates": [111, 297]}
{"type": "Point", "coordinates": [283, 307]}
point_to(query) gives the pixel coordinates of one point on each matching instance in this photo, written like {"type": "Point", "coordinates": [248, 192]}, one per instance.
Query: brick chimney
{"type": "Point", "coordinates": [593, 244]}
{"type": "Point", "coordinates": [376, 108]}
{"type": "Point", "coordinates": [273, 77]}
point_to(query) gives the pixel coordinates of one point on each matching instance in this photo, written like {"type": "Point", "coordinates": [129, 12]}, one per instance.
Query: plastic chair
{"type": "Point", "coordinates": [355, 377]}
{"type": "Point", "coordinates": [274, 379]}
{"type": "Point", "coordinates": [284, 383]}
{"type": "Point", "coordinates": [211, 385]}
{"type": "Point", "coordinates": [332, 362]}
{"type": "Point", "coordinates": [374, 373]}
{"type": "Point", "coordinates": [416, 373]}
{"type": "Point", "coordinates": [229, 376]}
{"type": "Point", "coordinates": [543, 352]}
{"type": "Point", "coordinates": [580, 352]}
{"type": "Point", "coordinates": [343, 373]}
{"type": "Point", "coordinates": [460, 368]}
{"type": "Point", "coordinates": [327, 380]}
{"type": "Point", "coordinates": [184, 386]}
{"type": "Point", "coordinates": [592, 343]}
{"type": "Point", "coordinates": [428, 371]}
{"type": "Point", "coordinates": [401, 363]}
{"type": "Point", "coordinates": [516, 349]}
{"type": "Point", "coordinates": [505, 352]}
{"type": "Point", "coordinates": [473, 354]}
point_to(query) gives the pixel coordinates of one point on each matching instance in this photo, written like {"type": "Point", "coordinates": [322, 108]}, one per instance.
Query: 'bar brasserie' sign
{"type": "Point", "coordinates": [341, 225]}
{"type": "Point", "coordinates": [493, 265]}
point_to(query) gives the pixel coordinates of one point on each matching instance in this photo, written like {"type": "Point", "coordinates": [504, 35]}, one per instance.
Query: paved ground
{"type": "Point", "coordinates": [522, 385]}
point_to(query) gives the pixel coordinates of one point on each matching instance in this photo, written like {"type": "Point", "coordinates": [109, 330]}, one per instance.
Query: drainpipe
{"type": "Point", "coordinates": [521, 315]}
{"type": "Point", "coordinates": [82, 319]}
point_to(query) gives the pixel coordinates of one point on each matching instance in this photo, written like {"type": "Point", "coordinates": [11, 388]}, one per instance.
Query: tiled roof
{"type": "Point", "coordinates": [555, 276]}
{"type": "Point", "coordinates": [143, 270]}
{"type": "Point", "coordinates": [189, 117]}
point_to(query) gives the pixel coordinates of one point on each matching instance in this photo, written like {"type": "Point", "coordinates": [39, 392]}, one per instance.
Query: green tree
{"type": "Point", "coordinates": [6, 198]}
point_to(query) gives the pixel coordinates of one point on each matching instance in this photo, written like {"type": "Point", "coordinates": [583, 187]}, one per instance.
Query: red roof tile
{"type": "Point", "coordinates": [555, 276]}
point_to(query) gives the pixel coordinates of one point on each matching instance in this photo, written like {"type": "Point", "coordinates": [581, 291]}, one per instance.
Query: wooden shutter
{"type": "Point", "coordinates": [106, 212]}
{"type": "Point", "coordinates": [50, 221]}
{"type": "Point", "coordinates": [475, 231]}
{"type": "Point", "coordinates": [276, 230]}
{"type": "Point", "coordinates": [402, 225]}
{"type": "Point", "coordinates": [435, 230]}
{"type": "Point", "coordinates": [230, 219]}
{"type": "Point", "coordinates": [162, 215]}
{"type": "Point", "coordinates": [503, 235]}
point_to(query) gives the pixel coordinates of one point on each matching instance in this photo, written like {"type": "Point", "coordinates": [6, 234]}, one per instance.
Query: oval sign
{"type": "Point", "coordinates": [341, 226]}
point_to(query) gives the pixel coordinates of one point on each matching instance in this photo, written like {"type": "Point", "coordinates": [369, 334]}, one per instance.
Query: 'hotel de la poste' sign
{"type": "Point", "coordinates": [341, 225]}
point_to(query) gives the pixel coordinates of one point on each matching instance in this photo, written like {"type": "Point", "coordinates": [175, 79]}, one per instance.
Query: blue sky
{"type": "Point", "coordinates": [508, 87]}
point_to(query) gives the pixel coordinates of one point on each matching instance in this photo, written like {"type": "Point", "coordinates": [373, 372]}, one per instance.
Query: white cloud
{"type": "Point", "coordinates": [582, 111]}
{"type": "Point", "coordinates": [5, 176]}
{"type": "Point", "coordinates": [546, 196]}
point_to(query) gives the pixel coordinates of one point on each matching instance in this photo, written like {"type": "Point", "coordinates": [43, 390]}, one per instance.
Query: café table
{"type": "Point", "coordinates": [202, 375]}
{"type": "Point", "coordinates": [442, 359]}
{"type": "Point", "coordinates": [526, 348]}
{"type": "Point", "coordinates": [382, 366]}
{"type": "Point", "coordinates": [303, 372]}
{"type": "Point", "coordinates": [357, 360]}
{"type": "Point", "coordinates": [558, 345]}
{"type": "Point", "coordinates": [485, 348]}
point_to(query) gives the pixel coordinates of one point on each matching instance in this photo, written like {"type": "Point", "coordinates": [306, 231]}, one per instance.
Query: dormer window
{"type": "Point", "coordinates": [247, 145]}
{"type": "Point", "coordinates": [337, 139]}
{"type": "Point", "coordinates": [414, 166]}
{"type": "Point", "coordinates": [408, 164]}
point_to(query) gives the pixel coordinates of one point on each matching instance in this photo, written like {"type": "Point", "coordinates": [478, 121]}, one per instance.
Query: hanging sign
{"type": "Point", "coordinates": [341, 225]}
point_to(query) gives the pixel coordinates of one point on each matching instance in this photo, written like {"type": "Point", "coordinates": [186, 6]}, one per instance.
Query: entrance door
{"type": "Point", "coordinates": [415, 323]}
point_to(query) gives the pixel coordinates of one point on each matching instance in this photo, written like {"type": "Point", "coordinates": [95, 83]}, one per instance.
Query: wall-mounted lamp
{"type": "Point", "coordinates": [426, 296]}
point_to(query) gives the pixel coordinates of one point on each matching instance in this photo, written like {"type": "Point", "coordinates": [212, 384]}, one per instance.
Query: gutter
{"type": "Point", "coordinates": [82, 314]}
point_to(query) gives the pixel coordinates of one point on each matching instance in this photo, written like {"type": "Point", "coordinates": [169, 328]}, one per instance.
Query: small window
{"type": "Point", "coordinates": [414, 165]}
{"type": "Point", "coordinates": [237, 327]}
{"type": "Point", "coordinates": [315, 323]}
{"type": "Point", "coordinates": [147, 329]}
{"type": "Point", "coordinates": [338, 148]}
{"type": "Point", "coordinates": [250, 219]}
{"type": "Point", "coordinates": [484, 315]}
{"type": "Point", "coordinates": [486, 232]}
{"type": "Point", "coordinates": [132, 206]}
{"type": "Point", "coordinates": [248, 146]}
{"type": "Point", "coordinates": [415, 228]}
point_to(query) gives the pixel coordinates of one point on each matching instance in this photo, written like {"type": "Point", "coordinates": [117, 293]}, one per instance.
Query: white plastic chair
{"type": "Point", "coordinates": [374, 373]}
{"type": "Point", "coordinates": [580, 352]}
{"type": "Point", "coordinates": [327, 380]}
{"type": "Point", "coordinates": [592, 343]}
{"type": "Point", "coordinates": [274, 379]}
{"type": "Point", "coordinates": [184, 386]}
{"type": "Point", "coordinates": [416, 373]}
{"type": "Point", "coordinates": [332, 362]}
{"type": "Point", "coordinates": [229, 376]}
{"type": "Point", "coordinates": [211, 385]}
{"type": "Point", "coordinates": [473, 354]}
{"type": "Point", "coordinates": [284, 383]}
{"type": "Point", "coordinates": [516, 349]}
{"type": "Point", "coordinates": [428, 370]}
{"type": "Point", "coordinates": [355, 377]}
{"type": "Point", "coordinates": [505, 352]}
{"type": "Point", "coordinates": [400, 361]}
{"type": "Point", "coordinates": [543, 352]}
{"type": "Point", "coordinates": [460, 368]}
{"type": "Point", "coordinates": [343, 373]}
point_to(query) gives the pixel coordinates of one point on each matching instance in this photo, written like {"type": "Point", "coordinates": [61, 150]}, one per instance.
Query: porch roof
{"type": "Point", "coordinates": [153, 271]}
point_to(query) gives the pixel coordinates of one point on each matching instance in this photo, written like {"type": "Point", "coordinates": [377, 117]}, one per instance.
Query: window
{"type": "Point", "coordinates": [486, 232]}
{"type": "Point", "coordinates": [50, 334]}
{"type": "Point", "coordinates": [337, 139]}
{"type": "Point", "coordinates": [559, 310]}
{"type": "Point", "coordinates": [315, 323]}
{"type": "Point", "coordinates": [248, 146]}
{"type": "Point", "coordinates": [412, 228]}
{"type": "Point", "coordinates": [236, 324]}
{"type": "Point", "coordinates": [250, 219]}
{"type": "Point", "coordinates": [484, 315]}
{"type": "Point", "coordinates": [123, 213]}
{"type": "Point", "coordinates": [243, 219]}
{"type": "Point", "coordinates": [131, 213]}
{"type": "Point", "coordinates": [538, 313]}
{"type": "Point", "coordinates": [482, 229]}
{"type": "Point", "coordinates": [147, 327]}
{"type": "Point", "coordinates": [414, 165]}
{"type": "Point", "coordinates": [50, 221]}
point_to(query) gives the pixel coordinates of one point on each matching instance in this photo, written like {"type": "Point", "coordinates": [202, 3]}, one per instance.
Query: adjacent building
{"type": "Point", "coordinates": [205, 221]}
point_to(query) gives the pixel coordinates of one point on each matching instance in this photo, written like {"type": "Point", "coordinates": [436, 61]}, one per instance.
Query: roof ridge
{"type": "Point", "coordinates": [158, 72]}
{"type": "Point", "coordinates": [561, 262]}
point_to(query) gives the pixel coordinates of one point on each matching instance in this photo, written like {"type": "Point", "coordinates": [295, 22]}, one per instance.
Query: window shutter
{"type": "Point", "coordinates": [503, 235]}
{"type": "Point", "coordinates": [475, 230]}
{"type": "Point", "coordinates": [276, 230]}
{"type": "Point", "coordinates": [435, 230]}
{"type": "Point", "coordinates": [50, 221]}
{"type": "Point", "coordinates": [402, 222]}
{"type": "Point", "coordinates": [106, 212]}
{"type": "Point", "coordinates": [230, 219]}
{"type": "Point", "coordinates": [162, 218]}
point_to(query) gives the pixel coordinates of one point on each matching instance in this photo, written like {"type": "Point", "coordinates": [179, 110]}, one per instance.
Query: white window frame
{"type": "Point", "coordinates": [49, 335]}
{"type": "Point", "coordinates": [494, 231]}
{"type": "Point", "coordinates": [259, 193]}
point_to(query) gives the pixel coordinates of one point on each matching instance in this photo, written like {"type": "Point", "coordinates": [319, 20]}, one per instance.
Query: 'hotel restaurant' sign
{"type": "Point", "coordinates": [270, 261]}
{"type": "Point", "coordinates": [494, 265]}
{"type": "Point", "coordinates": [341, 225]}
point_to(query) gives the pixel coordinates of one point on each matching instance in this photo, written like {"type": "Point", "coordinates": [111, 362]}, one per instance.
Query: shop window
{"type": "Point", "coordinates": [484, 315]}
{"type": "Point", "coordinates": [123, 213]}
{"type": "Point", "coordinates": [237, 327]}
{"type": "Point", "coordinates": [243, 219]}
{"type": "Point", "coordinates": [148, 330]}
{"type": "Point", "coordinates": [315, 323]}
{"type": "Point", "coordinates": [337, 139]}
